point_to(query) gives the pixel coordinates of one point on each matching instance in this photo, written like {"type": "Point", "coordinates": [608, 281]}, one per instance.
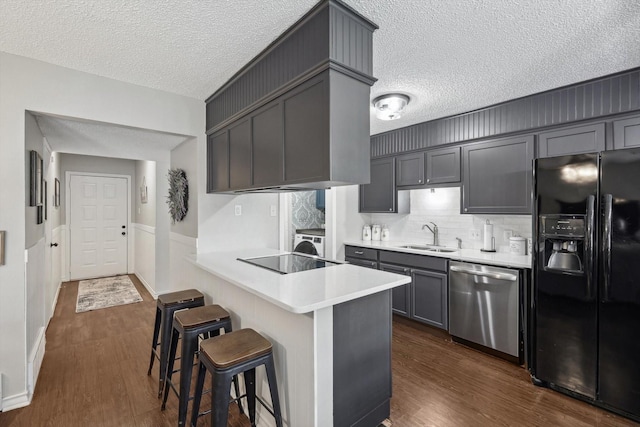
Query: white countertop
{"type": "Point", "coordinates": [300, 292]}
{"type": "Point", "coordinates": [501, 259]}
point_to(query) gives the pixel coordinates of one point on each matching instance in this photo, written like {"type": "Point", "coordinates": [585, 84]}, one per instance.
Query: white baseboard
{"type": "Point", "coordinates": [146, 285]}
{"type": "Point", "coordinates": [55, 302]}
{"type": "Point", "coordinates": [35, 362]}
{"type": "Point", "coordinates": [16, 401]}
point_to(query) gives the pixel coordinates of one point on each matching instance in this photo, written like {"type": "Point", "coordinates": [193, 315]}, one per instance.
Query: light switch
{"type": "Point", "coordinates": [238, 210]}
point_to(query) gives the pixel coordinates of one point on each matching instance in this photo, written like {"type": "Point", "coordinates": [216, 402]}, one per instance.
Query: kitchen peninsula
{"type": "Point", "coordinates": [330, 328]}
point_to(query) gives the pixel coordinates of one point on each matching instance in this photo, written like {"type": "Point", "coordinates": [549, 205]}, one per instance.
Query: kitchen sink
{"type": "Point", "coordinates": [428, 248]}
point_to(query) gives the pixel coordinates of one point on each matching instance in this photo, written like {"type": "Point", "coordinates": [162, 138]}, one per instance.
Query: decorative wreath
{"type": "Point", "coordinates": [178, 194]}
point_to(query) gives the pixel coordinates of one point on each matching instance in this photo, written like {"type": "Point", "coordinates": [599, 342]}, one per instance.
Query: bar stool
{"type": "Point", "coordinates": [226, 356]}
{"type": "Point", "coordinates": [207, 320]}
{"type": "Point", "coordinates": [166, 306]}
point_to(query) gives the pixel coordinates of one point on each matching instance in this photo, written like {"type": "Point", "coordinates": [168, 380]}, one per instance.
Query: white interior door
{"type": "Point", "coordinates": [98, 226]}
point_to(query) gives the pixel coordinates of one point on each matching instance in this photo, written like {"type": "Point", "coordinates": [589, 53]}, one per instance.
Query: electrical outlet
{"type": "Point", "coordinates": [238, 210]}
{"type": "Point", "coordinates": [272, 210]}
{"type": "Point", "coordinates": [474, 234]}
{"type": "Point", "coordinates": [507, 235]}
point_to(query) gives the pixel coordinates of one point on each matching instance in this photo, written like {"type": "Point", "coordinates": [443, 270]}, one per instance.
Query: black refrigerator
{"type": "Point", "coordinates": [586, 293]}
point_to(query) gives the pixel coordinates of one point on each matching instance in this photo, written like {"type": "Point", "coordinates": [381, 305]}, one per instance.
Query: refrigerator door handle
{"type": "Point", "coordinates": [606, 244]}
{"type": "Point", "coordinates": [589, 243]}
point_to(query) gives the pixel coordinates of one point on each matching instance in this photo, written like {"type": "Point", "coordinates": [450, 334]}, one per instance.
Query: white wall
{"type": "Point", "coordinates": [30, 85]}
{"type": "Point", "coordinates": [145, 213]}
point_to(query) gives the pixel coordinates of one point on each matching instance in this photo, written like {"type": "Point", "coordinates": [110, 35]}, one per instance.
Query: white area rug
{"type": "Point", "coordinates": [95, 294]}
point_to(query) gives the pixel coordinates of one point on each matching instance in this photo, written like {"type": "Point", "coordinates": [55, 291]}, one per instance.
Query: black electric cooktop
{"type": "Point", "coordinates": [289, 263]}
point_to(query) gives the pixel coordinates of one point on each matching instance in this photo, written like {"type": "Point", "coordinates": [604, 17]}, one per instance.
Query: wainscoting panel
{"type": "Point", "coordinates": [144, 255]}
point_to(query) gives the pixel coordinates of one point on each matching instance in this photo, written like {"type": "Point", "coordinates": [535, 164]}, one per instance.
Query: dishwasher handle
{"type": "Point", "coordinates": [497, 276]}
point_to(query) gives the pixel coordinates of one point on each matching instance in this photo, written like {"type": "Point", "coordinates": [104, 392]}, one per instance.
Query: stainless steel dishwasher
{"type": "Point", "coordinates": [483, 306]}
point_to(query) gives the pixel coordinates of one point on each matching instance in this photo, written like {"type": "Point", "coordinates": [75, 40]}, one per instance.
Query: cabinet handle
{"type": "Point", "coordinates": [429, 180]}
{"type": "Point", "coordinates": [390, 209]}
{"type": "Point", "coordinates": [359, 252]}
{"type": "Point", "coordinates": [465, 209]}
{"type": "Point", "coordinates": [419, 181]}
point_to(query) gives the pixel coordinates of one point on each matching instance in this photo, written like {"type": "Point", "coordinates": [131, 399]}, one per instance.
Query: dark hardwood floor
{"type": "Point", "coordinates": [95, 374]}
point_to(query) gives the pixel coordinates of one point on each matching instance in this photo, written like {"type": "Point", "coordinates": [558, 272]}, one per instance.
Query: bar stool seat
{"type": "Point", "coordinates": [190, 325]}
{"type": "Point", "coordinates": [226, 356]}
{"type": "Point", "coordinates": [167, 304]}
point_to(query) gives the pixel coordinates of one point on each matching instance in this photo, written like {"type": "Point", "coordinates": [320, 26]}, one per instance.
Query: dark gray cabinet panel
{"type": "Point", "coordinates": [218, 162]}
{"type": "Point", "coordinates": [362, 253]}
{"type": "Point", "coordinates": [268, 147]}
{"type": "Point", "coordinates": [401, 295]}
{"type": "Point", "coordinates": [614, 94]}
{"type": "Point", "coordinates": [626, 133]}
{"type": "Point", "coordinates": [362, 262]}
{"type": "Point", "coordinates": [306, 132]}
{"type": "Point", "coordinates": [410, 169]}
{"type": "Point", "coordinates": [497, 176]}
{"type": "Point", "coordinates": [429, 298]}
{"type": "Point", "coordinates": [572, 140]}
{"type": "Point", "coordinates": [362, 360]}
{"type": "Point", "coordinates": [443, 165]}
{"type": "Point", "coordinates": [380, 195]}
{"type": "Point", "coordinates": [416, 261]}
{"type": "Point", "coordinates": [240, 155]}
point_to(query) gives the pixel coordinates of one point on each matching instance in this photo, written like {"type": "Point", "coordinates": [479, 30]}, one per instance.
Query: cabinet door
{"type": "Point", "coordinates": [400, 295]}
{"type": "Point", "coordinates": [497, 176]}
{"type": "Point", "coordinates": [218, 162]}
{"type": "Point", "coordinates": [429, 298]}
{"type": "Point", "coordinates": [626, 133]}
{"type": "Point", "coordinates": [572, 140]}
{"type": "Point", "coordinates": [410, 169]}
{"type": "Point", "coordinates": [268, 146]}
{"type": "Point", "coordinates": [362, 262]}
{"type": "Point", "coordinates": [240, 155]}
{"type": "Point", "coordinates": [380, 195]}
{"type": "Point", "coordinates": [306, 133]}
{"type": "Point", "coordinates": [443, 165]}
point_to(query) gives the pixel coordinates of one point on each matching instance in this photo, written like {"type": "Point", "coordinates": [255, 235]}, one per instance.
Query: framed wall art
{"type": "Point", "coordinates": [35, 179]}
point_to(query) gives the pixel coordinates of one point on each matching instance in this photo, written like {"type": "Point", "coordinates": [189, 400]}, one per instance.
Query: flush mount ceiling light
{"type": "Point", "coordinates": [390, 106]}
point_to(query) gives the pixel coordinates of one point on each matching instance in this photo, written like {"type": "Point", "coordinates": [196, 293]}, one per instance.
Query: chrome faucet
{"type": "Point", "coordinates": [434, 230]}
{"type": "Point", "coordinates": [459, 242]}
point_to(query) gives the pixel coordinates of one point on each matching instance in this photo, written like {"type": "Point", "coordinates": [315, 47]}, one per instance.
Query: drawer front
{"type": "Point", "coordinates": [362, 262]}
{"type": "Point", "coordinates": [415, 261]}
{"type": "Point", "coordinates": [361, 253]}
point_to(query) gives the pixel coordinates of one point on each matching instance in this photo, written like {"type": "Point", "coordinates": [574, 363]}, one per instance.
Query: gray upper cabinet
{"type": "Point", "coordinates": [240, 155]}
{"type": "Point", "coordinates": [410, 169]}
{"type": "Point", "coordinates": [306, 132]}
{"type": "Point", "coordinates": [626, 133]}
{"type": "Point", "coordinates": [268, 148]}
{"type": "Point", "coordinates": [497, 176]}
{"type": "Point", "coordinates": [443, 165]}
{"type": "Point", "coordinates": [380, 195]}
{"type": "Point", "coordinates": [218, 161]}
{"type": "Point", "coordinates": [572, 140]}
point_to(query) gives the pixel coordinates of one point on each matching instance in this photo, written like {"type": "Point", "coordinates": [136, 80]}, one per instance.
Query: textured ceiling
{"type": "Point", "coordinates": [107, 140]}
{"type": "Point", "coordinates": [450, 57]}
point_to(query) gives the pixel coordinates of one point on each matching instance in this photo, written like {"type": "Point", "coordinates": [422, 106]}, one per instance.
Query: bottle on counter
{"type": "Point", "coordinates": [384, 233]}
{"type": "Point", "coordinates": [375, 232]}
{"type": "Point", "coordinates": [366, 232]}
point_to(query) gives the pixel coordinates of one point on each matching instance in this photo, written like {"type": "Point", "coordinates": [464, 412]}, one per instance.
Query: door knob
{"type": "Point", "coordinates": [123, 233]}
{"type": "Point", "coordinates": [51, 245]}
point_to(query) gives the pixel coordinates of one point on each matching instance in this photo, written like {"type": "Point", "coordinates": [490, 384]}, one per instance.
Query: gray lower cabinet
{"type": "Point", "coordinates": [429, 297]}
{"type": "Point", "coordinates": [497, 176]}
{"type": "Point", "coordinates": [626, 133]}
{"type": "Point", "coordinates": [425, 299]}
{"type": "Point", "coordinates": [572, 140]}
{"type": "Point", "coordinates": [363, 257]}
{"type": "Point", "coordinates": [401, 295]}
{"type": "Point", "coordinates": [443, 165]}
{"type": "Point", "coordinates": [410, 169]}
{"type": "Point", "coordinates": [380, 195]}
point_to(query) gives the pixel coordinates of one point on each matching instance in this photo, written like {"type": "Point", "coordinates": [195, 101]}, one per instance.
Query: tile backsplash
{"type": "Point", "coordinates": [442, 206]}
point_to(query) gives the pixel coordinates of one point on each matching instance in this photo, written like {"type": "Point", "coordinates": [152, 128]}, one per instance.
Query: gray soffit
{"type": "Point", "coordinates": [448, 56]}
{"type": "Point", "coordinates": [106, 140]}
